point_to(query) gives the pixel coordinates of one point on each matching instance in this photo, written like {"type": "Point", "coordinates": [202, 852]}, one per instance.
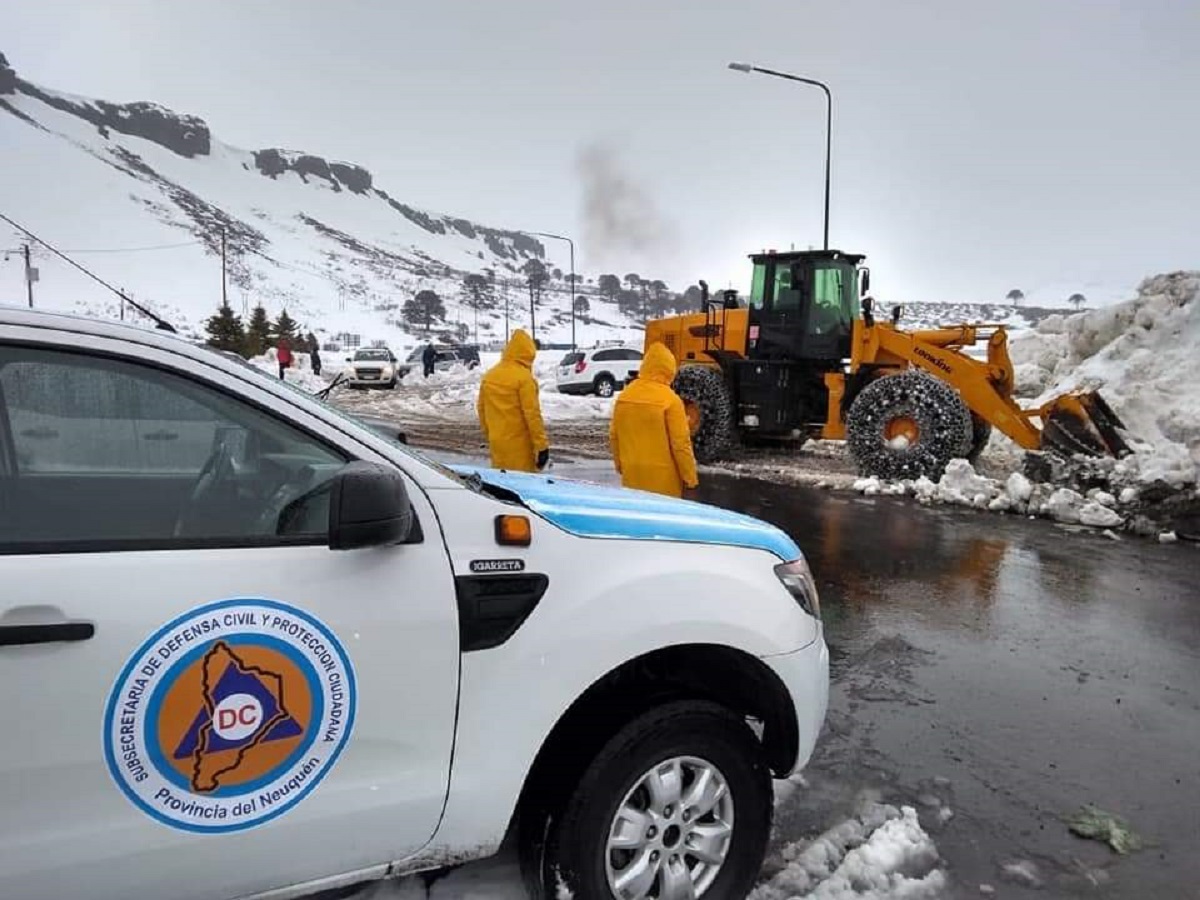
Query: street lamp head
{"type": "Point", "coordinates": [741, 67]}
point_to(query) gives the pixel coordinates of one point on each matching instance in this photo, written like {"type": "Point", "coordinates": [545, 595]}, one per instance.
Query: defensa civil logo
{"type": "Point", "coordinates": [229, 715]}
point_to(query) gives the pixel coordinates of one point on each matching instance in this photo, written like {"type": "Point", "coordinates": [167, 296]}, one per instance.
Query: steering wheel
{"type": "Point", "coordinates": [210, 500]}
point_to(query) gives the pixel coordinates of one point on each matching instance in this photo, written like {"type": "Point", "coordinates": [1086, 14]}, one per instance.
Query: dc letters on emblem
{"type": "Point", "coordinates": [229, 715]}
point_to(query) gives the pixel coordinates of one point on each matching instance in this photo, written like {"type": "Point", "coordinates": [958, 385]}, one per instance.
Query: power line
{"type": "Point", "coordinates": [139, 249]}
{"type": "Point", "coordinates": [158, 320]}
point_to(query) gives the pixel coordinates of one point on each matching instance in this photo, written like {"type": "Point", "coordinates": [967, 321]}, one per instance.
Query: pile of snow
{"type": "Point", "coordinates": [452, 393]}
{"type": "Point", "coordinates": [1141, 355]}
{"type": "Point", "coordinates": [881, 853]}
{"type": "Point", "coordinates": [961, 485]}
{"type": "Point", "coordinates": [300, 374]}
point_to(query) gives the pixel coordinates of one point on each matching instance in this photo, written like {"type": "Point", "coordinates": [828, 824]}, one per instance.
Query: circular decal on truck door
{"type": "Point", "coordinates": [229, 715]}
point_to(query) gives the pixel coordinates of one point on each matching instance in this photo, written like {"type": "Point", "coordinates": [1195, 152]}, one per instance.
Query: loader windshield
{"type": "Point", "coordinates": [835, 296]}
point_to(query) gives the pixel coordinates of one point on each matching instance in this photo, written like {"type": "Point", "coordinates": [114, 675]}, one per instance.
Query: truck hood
{"type": "Point", "coordinates": [596, 511]}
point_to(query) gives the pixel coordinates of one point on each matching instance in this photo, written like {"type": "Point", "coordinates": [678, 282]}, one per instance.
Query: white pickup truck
{"type": "Point", "coordinates": [252, 648]}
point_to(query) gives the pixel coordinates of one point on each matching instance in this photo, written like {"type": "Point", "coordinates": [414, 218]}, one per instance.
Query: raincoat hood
{"type": "Point", "coordinates": [520, 349]}
{"type": "Point", "coordinates": [658, 365]}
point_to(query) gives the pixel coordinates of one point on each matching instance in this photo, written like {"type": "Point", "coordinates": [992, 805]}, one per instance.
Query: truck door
{"type": "Point", "coordinates": [209, 705]}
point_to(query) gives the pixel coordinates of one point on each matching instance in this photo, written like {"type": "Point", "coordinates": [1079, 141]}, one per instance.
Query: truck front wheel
{"type": "Point", "coordinates": [677, 804]}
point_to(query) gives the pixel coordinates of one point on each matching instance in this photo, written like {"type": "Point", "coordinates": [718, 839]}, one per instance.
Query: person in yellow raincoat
{"type": "Point", "coordinates": [508, 408]}
{"type": "Point", "coordinates": [651, 443]}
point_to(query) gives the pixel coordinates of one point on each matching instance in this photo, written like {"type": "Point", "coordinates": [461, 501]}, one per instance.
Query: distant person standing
{"type": "Point", "coordinates": [315, 357]}
{"type": "Point", "coordinates": [509, 413]}
{"type": "Point", "coordinates": [651, 442]}
{"type": "Point", "coordinates": [429, 359]}
{"type": "Point", "coordinates": [283, 355]}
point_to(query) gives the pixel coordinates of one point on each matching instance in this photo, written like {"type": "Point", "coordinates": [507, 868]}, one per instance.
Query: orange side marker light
{"type": "Point", "coordinates": [514, 531]}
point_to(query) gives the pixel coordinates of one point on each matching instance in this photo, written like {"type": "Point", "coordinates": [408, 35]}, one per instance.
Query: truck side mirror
{"type": "Point", "coordinates": [864, 283]}
{"type": "Point", "coordinates": [897, 312]}
{"type": "Point", "coordinates": [369, 507]}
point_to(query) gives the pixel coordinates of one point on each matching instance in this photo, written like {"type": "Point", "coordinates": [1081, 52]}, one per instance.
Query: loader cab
{"type": "Point", "coordinates": [803, 305]}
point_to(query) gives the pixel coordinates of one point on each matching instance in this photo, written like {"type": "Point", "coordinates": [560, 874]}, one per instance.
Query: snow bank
{"type": "Point", "coordinates": [1141, 355]}
{"type": "Point", "coordinates": [882, 853]}
{"type": "Point", "coordinates": [459, 387]}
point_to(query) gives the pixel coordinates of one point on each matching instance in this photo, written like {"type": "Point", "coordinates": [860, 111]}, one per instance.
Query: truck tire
{"type": "Point", "coordinates": [908, 425]}
{"type": "Point", "coordinates": [682, 791]}
{"type": "Point", "coordinates": [705, 390]}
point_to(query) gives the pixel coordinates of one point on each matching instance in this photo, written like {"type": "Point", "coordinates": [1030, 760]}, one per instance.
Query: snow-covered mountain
{"type": "Point", "coordinates": [144, 196]}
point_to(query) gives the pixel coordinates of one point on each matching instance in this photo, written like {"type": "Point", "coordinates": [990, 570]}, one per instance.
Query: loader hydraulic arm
{"type": "Point", "coordinates": [985, 387]}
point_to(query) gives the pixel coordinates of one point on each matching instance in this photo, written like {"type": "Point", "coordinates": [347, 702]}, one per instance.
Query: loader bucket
{"type": "Point", "coordinates": [1082, 423]}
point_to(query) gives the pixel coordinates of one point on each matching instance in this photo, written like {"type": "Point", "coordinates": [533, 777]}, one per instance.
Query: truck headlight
{"type": "Point", "coordinates": [798, 579]}
{"type": "Point", "coordinates": [387, 372]}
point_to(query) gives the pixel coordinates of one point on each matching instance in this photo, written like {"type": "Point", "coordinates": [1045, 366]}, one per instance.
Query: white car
{"type": "Point", "coordinates": [601, 371]}
{"type": "Point", "coordinates": [374, 367]}
{"type": "Point", "coordinates": [256, 649]}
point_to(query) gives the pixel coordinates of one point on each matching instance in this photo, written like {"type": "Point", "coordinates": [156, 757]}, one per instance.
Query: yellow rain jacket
{"type": "Point", "coordinates": [508, 408]}
{"type": "Point", "coordinates": [651, 444]}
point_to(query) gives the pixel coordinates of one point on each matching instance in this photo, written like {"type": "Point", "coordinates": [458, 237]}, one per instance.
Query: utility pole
{"type": "Point", "coordinates": [224, 272]}
{"type": "Point", "coordinates": [30, 276]}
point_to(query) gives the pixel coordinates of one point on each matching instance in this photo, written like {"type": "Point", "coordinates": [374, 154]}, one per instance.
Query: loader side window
{"type": "Point", "coordinates": [758, 286]}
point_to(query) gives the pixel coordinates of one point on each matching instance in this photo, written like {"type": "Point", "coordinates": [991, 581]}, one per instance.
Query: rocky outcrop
{"type": "Point", "coordinates": [8, 78]}
{"type": "Point", "coordinates": [185, 135]}
{"type": "Point", "coordinates": [273, 162]}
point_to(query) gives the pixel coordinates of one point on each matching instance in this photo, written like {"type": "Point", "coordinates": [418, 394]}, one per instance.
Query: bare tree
{"type": "Point", "coordinates": [1015, 296]}
{"type": "Point", "coordinates": [1077, 300]}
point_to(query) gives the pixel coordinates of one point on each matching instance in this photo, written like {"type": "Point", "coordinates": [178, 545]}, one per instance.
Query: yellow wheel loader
{"type": "Point", "coordinates": [806, 357]}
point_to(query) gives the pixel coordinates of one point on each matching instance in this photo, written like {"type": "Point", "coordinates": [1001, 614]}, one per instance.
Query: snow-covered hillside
{"type": "Point", "coordinates": [143, 196]}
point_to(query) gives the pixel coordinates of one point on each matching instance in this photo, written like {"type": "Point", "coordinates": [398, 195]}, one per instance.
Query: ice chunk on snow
{"type": "Point", "coordinates": [884, 853]}
{"type": "Point", "coordinates": [924, 489]}
{"type": "Point", "coordinates": [899, 442]}
{"type": "Point", "coordinates": [1128, 495]}
{"type": "Point", "coordinates": [869, 486]}
{"type": "Point", "coordinates": [1168, 537]}
{"type": "Point", "coordinates": [960, 484]}
{"type": "Point", "coordinates": [1018, 487]}
{"type": "Point", "coordinates": [1064, 505]}
{"type": "Point", "coordinates": [1097, 516]}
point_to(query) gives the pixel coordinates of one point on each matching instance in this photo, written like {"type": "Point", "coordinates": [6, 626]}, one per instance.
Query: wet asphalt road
{"type": "Point", "coordinates": [1007, 670]}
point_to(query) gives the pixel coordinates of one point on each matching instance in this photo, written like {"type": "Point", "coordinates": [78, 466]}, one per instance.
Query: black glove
{"type": "Point", "coordinates": [543, 457]}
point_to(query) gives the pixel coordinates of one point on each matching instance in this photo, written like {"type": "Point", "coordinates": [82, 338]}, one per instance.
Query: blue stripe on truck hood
{"type": "Point", "coordinates": [597, 511]}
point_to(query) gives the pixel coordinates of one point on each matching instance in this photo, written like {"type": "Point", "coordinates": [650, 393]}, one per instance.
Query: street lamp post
{"type": "Point", "coordinates": [746, 67]}
{"type": "Point", "coordinates": [571, 243]}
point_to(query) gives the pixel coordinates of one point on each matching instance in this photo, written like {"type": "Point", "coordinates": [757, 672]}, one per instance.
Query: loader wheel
{"type": "Point", "coordinates": [981, 433]}
{"type": "Point", "coordinates": [709, 409]}
{"type": "Point", "coordinates": [908, 425]}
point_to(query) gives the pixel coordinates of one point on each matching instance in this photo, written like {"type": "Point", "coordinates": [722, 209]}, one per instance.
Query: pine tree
{"type": "Point", "coordinates": [258, 333]}
{"type": "Point", "coordinates": [225, 331]}
{"type": "Point", "coordinates": [284, 327]}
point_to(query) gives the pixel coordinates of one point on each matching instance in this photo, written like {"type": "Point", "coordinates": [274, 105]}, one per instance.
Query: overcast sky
{"type": "Point", "coordinates": [1050, 145]}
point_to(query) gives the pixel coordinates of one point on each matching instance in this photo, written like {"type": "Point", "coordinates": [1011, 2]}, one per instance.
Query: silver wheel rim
{"type": "Point", "coordinates": [605, 388]}
{"type": "Point", "coordinates": [670, 836]}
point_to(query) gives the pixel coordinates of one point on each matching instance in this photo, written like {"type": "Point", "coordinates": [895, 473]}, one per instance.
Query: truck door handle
{"type": "Point", "coordinates": [46, 634]}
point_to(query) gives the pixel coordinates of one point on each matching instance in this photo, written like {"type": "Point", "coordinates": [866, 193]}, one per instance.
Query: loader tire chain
{"type": "Point", "coordinates": [706, 387]}
{"type": "Point", "coordinates": [945, 427]}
